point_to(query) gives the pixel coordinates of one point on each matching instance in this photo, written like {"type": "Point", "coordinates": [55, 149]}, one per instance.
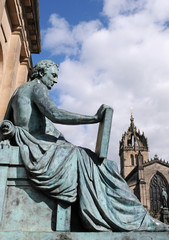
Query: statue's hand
{"type": "Point", "coordinates": [101, 110]}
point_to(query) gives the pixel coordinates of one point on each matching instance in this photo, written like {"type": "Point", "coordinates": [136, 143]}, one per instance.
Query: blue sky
{"type": "Point", "coordinates": [74, 11]}
{"type": "Point", "coordinates": [114, 52]}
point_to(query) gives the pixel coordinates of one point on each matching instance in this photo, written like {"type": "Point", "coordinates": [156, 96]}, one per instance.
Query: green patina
{"type": "Point", "coordinates": [67, 173]}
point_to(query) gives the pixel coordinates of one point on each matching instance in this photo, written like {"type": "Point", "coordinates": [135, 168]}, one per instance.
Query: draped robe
{"type": "Point", "coordinates": [64, 171]}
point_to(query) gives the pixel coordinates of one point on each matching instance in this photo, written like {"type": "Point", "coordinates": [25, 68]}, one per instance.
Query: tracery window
{"type": "Point", "coordinates": [156, 184]}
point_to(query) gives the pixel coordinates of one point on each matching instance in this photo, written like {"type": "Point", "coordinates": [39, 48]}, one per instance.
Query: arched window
{"type": "Point", "coordinates": [132, 140]}
{"type": "Point", "coordinates": [132, 159]}
{"type": "Point", "coordinates": [157, 182]}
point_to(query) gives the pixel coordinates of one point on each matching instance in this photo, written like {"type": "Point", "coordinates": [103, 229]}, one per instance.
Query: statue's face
{"type": "Point", "coordinates": [50, 77]}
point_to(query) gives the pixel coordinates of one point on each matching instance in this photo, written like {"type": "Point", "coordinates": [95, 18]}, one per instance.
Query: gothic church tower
{"type": "Point", "coordinates": [133, 149]}
{"type": "Point", "coordinates": [147, 178]}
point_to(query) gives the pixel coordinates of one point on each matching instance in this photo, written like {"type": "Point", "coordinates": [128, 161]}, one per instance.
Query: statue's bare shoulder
{"type": "Point", "coordinates": [24, 106]}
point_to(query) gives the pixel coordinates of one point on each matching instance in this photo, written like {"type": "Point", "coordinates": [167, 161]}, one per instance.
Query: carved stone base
{"type": "Point", "coordinates": [84, 236]}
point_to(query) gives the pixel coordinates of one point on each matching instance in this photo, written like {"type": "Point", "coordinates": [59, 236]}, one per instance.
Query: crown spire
{"type": "Point", "coordinates": [132, 122]}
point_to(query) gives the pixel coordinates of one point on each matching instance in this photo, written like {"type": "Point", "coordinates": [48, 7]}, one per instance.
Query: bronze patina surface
{"type": "Point", "coordinates": [67, 173]}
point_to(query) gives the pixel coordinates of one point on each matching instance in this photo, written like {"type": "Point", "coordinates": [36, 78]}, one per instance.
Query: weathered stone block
{"type": "Point", "coordinates": [83, 236]}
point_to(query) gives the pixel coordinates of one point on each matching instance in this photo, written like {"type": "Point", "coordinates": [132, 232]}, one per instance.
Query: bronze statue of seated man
{"type": "Point", "coordinates": [64, 171]}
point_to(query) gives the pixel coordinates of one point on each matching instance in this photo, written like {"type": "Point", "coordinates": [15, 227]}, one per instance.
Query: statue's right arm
{"type": "Point", "coordinates": [48, 108]}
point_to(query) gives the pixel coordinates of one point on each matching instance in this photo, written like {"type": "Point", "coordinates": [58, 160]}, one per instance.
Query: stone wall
{"type": "Point", "coordinates": [16, 45]}
{"type": "Point", "coordinates": [149, 171]}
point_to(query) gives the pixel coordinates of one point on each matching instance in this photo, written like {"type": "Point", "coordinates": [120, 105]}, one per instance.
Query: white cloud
{"type": "Point", "coordinates": [113, 8]}
{"type": "Point", "coordinates": [157, 11]}
{"type": "Point", "coordinates": [61, 38]}
{"type": "Point", "coordinates": [124, 64]}
{"type": "Point", "coordinates": [60, 35]}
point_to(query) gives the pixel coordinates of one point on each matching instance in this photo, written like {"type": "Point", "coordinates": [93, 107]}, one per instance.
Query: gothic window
{"type": "Point", "coordinates": [132, 140]}
{"type": "Point", "coordinates": [132, 159]}
{"type": "Point", "coordinates": [129, 142]}
{"type": "Point", "coordinates": [157, 183]}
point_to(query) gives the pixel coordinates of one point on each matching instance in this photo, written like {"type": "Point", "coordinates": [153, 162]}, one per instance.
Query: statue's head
{"type": "Point", "coordinates": [46, 71]}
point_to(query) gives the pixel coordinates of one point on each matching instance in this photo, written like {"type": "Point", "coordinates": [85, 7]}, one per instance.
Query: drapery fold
{"type": "Point", "coordinates": [64, 171]}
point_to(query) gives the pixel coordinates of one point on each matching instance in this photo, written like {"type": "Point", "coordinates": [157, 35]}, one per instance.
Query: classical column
{"type": "Point", "coordinates": [10, 75]}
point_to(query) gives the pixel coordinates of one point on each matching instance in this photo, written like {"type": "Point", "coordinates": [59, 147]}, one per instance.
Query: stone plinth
{"type": "Point", "coordinates": [84, 236]}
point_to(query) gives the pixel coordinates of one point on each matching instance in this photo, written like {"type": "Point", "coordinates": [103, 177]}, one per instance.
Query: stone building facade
{"type": "Point", "coordinates": [148, 179]}
{"type": "Point", "coordinates": [19, 37]}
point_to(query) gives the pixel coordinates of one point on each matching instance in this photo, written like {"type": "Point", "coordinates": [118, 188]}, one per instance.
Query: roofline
{"type": "Point", "coordinates": [162, 162]}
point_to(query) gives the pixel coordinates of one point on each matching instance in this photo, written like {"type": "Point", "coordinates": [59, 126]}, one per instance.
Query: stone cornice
{"type": "Point", "coordinates": [27, 10]}
{"type": "Point", "coordinates": [31, 13]}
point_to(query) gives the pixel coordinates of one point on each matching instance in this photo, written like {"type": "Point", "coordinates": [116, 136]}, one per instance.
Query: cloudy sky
{"type": "Point", "coordinates": [114, 52]}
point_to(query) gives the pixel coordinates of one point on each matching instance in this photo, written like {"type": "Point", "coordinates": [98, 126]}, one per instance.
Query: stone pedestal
{"type": "Point", "coordinates": [84, 236]}
{"type": "Point", "coordinates": [22, 208]}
